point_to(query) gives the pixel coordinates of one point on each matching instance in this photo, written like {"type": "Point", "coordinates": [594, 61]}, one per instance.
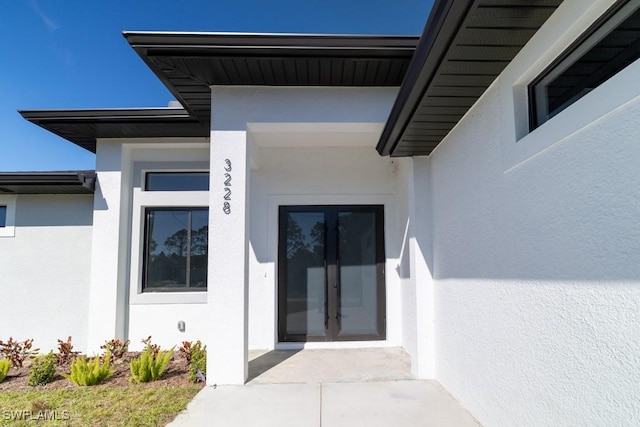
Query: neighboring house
{"type": "Point", "coordinates": [471, 196]}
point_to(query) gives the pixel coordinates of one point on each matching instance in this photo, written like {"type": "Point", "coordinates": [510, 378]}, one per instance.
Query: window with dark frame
{"type": "Point", "coordinates": [3, 216]}
{"type": "Point", "coordinates": [176, 181]}
{"type": "Point", "coordinates": [605, 49]}
{"type": "Point", "coordinates": [175, 249]}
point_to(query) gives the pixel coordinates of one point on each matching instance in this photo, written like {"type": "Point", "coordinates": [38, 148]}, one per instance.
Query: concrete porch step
{"type": "Point", "coordinates": [329, 365]}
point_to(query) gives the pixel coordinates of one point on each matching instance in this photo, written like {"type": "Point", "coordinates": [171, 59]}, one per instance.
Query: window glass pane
{"type": "Point", "coordinates": [357, 250]}
{"type": "Point", "coordinates": [3, 216]}
{"type": "Point", "coordinates": [305, 273]}
{"type": "Point", "coordinates": [176, 244]}
{"type": "Point", "coordinates": [177, 181]}
{"type": "Point", "coordinates": [199, 248]}
{"type": "Point", "coordinates": [167, 248]}
{"type": "Point", "coordinates": [609, 48]}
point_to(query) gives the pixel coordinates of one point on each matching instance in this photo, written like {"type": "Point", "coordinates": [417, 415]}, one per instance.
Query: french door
{"type": "Point", "coordinates": [331, 273]}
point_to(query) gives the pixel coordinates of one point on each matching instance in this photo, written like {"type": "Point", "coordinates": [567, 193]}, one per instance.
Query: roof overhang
{"type": "Point", "coordinates": [465, 45]}
{"type": "Point", "coordinates": [75, 182]}
{"type": "Point", "coordinates": [83, 127]}
{"type": "Point", "coordinates": [190, 63]}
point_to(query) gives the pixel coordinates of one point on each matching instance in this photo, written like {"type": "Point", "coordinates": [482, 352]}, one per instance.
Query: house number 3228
{"type": "Point", "coordinates": [226, 205]}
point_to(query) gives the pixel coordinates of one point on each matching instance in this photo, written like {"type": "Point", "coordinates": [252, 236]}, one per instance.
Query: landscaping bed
{"type": "Point", "coordinates": [115, 402]}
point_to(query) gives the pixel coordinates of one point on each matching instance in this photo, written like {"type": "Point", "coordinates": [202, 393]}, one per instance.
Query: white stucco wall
{"type": "Point", "coordinates": [45, 271]}
{"type": "Point", "coordinates": [119, 310]}
{"type": "Point", "coordinates": [537, 288]}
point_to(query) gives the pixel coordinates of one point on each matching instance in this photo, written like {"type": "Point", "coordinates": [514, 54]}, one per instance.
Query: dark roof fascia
{"type": "Point", "coordinates": [72, 182]}
{"type": "Point", "coordinates": [105, 114]}
{"type": "Point", "coordinates": [259, 44]}
{"type": "Point", "coordinates": [444, 21]}
{"type": "Point", "coordinates": [59, 122]}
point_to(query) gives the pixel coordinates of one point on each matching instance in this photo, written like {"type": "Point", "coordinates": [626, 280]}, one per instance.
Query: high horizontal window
{"type": "Point", "coordinates": [608, 47]}
{"type": "Point", "coordinates": [3, 216]}
{"type": "Point", "coordinates": [175, 252]}
{"type": "Point", "coordinates": [177, 181]}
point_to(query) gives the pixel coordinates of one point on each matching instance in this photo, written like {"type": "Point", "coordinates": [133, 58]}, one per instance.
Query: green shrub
{"type": "Point", "coordinates": [198, 364]}
{"type": "Point", "coordinates": [150, 367]}
{"type": "Point", "coordinates": [5, 364]}
{"type": "Point", "coordinates": [92, 372]}
{"type": "Point", "coordinates": [155, 348]}
{"type": "Point", "coordinates": [43, 369]}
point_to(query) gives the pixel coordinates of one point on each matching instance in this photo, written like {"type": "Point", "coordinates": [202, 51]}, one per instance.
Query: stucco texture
{"type": "Point", "coordinates": [536, 273]}
{"type": "Point", "coordinates": [45, 271]}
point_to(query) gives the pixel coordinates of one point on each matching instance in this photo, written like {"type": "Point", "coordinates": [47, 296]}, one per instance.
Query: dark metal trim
{"type": "Point", "coordinates": [72, 124]}
{"type": "Point", "coordinates": [332, 325]}
{"type": "Point", "coordinates": [72, 182]}
{"type": "Point", "coordinates": [145, 259]}
{"type": "Point", "coordinates": [252, 44]}
{"type": "Point", "coordinates": [532, 101]}
{"type": "Point", "coordinates": [444, 21]}
{"type": "Point", "coordinates": [104, 114]}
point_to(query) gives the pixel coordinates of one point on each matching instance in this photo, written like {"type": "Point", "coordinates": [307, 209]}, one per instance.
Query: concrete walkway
{"type": "Point", "coordinates": [328, 388]}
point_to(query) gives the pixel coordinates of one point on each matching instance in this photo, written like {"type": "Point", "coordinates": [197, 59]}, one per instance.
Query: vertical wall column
{"type": "Point", "coordinates": [421, 260]}
{"type": "Point", "coordinates": [227, 344]}
{"type": "Point", "coordinates": [107, 287]}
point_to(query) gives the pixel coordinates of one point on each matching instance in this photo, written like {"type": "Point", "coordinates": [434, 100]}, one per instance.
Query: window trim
{"type": "Point", "coordinates": [518, 144]}
{"type": "Point", "coordinates": [140, 200]}
{"type": "Point", "coordinates": [145, 258]}
{"type": "Point", "coordinates": [144, 180]}
{"type": "Point", "coordinates": [3, 218]}
{"type": "Point", "coordinates": [9, 229]}
{"type": "Point", "coordinates": [599, 29]}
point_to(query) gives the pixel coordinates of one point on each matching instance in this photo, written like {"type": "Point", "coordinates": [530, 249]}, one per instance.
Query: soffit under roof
{"type": "Point", "coordinates": [72, 182]}
{"type": "Point", "coordinates": [189, 63]}
{"type": "Point", "coordinates": [465, 45]}
{"type": "Point", "coordinates": [83, 127]}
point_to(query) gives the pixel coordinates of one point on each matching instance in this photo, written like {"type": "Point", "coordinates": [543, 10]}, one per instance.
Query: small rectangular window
{"type": "Point", "coordinates": [3, 216]}
{"type": "Point", "coordinates": [176, 248]}
{"type": "Point", "coordinates": [608, 47]}
{"type": "Point", "coordinates": [177, 181]}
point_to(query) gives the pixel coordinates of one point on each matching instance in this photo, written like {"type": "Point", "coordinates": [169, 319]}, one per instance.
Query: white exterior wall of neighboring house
{"type": "Point", "coordinates": [45, 264]}
{"type": "Point", "coordinates": [535, 249]}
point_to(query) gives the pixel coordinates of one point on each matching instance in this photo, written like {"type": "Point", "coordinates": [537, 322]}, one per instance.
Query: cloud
{"type": "Point", "coordinates": [48, 22]}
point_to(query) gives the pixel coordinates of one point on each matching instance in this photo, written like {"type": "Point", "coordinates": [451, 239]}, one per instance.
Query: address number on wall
{"type": "Point", "coordinates": [226, 205]}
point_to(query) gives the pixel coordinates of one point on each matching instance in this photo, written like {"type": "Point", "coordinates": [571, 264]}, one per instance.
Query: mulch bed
{"type": "Point", "coordinates": [176, 375]}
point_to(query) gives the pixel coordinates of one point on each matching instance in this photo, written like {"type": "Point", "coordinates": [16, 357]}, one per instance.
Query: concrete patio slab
{"type": "Point", "coordinates": [278, 405]}
{"type": "Point", "coordinates": [392, 403]}
{"type": "Point", "coordinates": [370, 387]}
{"type": "Point", "coordinates": [405, 403]}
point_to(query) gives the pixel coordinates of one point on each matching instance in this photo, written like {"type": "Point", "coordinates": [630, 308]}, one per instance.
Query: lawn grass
{"type": "Point", "coordinates": [135, 405]}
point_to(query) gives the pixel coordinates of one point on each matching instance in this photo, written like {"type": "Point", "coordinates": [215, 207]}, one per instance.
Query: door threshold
{"type": "Point", "coordinates": [334, 345]}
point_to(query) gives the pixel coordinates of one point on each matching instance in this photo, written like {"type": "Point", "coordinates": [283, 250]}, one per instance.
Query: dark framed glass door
{"type": "Point", "coordinates": [331, 273]}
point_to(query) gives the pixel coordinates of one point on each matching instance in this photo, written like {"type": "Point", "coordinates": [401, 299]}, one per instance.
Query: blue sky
{"type": "Point", "coordinates": [71, 54]}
